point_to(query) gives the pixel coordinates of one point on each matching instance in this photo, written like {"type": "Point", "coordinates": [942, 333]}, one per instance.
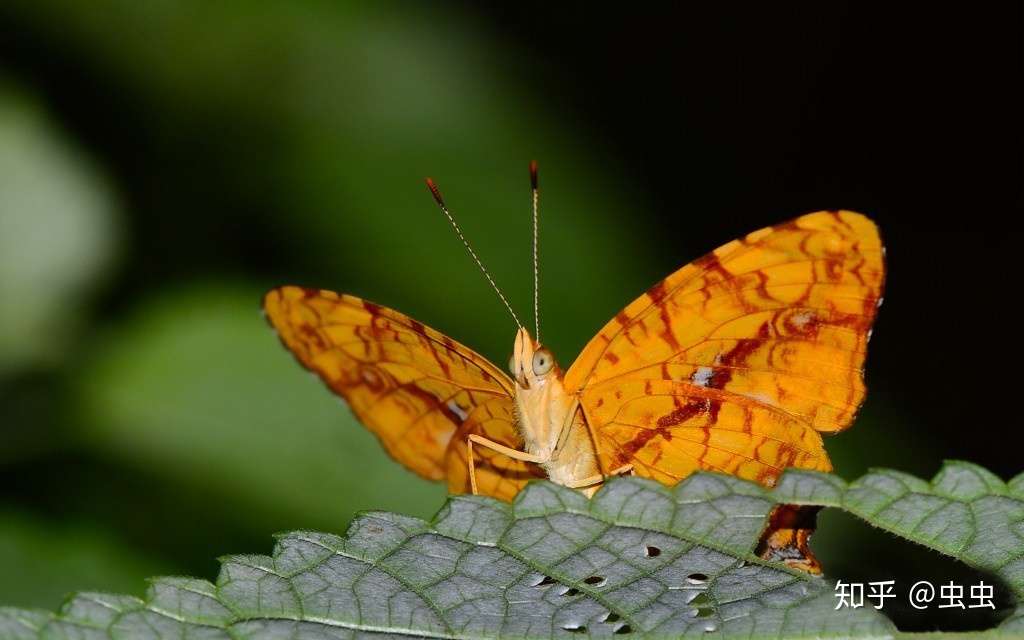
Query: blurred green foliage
{"type": "Point", "coordinates": [287, 145]}
{"type": "Point", "coordinates": [57, 234]}
{"type": "Point", "coordinates": [197, 389]}
{"type": "Point", "coordinates": [86, 554]}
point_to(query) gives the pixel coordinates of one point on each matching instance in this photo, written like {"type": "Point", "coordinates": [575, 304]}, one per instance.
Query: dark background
{"type": "Point", "coordinates": [162, 164]}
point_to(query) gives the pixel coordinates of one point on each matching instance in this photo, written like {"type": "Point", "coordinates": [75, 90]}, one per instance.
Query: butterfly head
{"type": "Point", "coordinates": [532, 365]}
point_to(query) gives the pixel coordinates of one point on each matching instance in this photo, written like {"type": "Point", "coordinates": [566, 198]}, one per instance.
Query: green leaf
{"type": "Point", "coordinates": [639, 559]}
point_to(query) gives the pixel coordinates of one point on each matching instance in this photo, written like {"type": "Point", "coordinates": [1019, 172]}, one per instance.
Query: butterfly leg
{"type": "Point", "coordinates": [515, 454]}
{"type": "Point", "coordinates": [600, 477]}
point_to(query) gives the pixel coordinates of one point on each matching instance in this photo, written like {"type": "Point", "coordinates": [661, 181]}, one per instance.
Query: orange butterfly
{"type": "Point", "coordinates": [735, 363]}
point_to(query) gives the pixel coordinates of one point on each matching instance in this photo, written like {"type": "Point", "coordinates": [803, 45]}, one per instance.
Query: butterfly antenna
{"type": "Point", "coordinates": [536, 263]}
{"type": "Point", "coordinates": [458, 231]}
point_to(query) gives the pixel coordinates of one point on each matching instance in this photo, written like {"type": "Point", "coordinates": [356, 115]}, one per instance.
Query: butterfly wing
{"type": "Point", "coordinates": [497, 475]}
{"type": "Point", "coordinates": [736, 361]}
{"type": "Point", "coordinates": [418, 390]}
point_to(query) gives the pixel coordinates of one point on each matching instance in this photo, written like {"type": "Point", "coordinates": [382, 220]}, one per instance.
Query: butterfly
{"type": "Point", "coordinates": [736, 363]}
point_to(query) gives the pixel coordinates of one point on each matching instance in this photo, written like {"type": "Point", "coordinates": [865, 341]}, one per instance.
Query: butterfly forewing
{"type": "Point", "coordinates": [737, 360]}
{"type": "Point", "coordinates": [419, 391]}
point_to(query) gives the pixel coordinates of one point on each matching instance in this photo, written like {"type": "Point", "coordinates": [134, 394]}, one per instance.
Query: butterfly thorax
{"type": "Point", "coordinates": [542, 410]}
{"type": "Point", "coordinates": [548, 417]}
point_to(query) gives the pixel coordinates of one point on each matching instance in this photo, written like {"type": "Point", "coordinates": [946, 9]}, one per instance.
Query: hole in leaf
{"type": "Point", "coordinates": [544, 581]}
{"type": "Point", "coordinates": [624, 629]}
{"type": "Point", "coordinates": [572, 592]}
{"type": "Point", "coordinates": [704, 612]}
{"type": "Point", "coordinates": [595, 580]}
{"type": "Point", "coordinates": [611, 617]}
{"type": "Point", "coordinates": [652, 552]}
{"type": "Point", "coordinates": [700, 599]}
{"type": "Point", "coordinates": [575, 629]}
{"type": "Point", "coordinates": [697, 578]}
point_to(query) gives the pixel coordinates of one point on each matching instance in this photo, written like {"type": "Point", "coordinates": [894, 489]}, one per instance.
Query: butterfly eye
{"type": "Point", "coordinates": [512, 364]}
{"type": "Point", "coordinates": [542, 362]}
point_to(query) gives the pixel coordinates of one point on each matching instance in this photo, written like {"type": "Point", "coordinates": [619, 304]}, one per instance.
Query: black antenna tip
{"type": "Point", "coordinates": [435, 192]}
{"type": "Point", "coordinates": [533, 174]}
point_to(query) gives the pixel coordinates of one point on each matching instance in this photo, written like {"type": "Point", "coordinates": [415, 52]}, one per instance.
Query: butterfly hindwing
{"type": "Point", "coordinates": [736, 361]}
{"type": "Point", "coordinates": [419, 391]}
{"type": "Point", "coordinates": [497, 475]}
